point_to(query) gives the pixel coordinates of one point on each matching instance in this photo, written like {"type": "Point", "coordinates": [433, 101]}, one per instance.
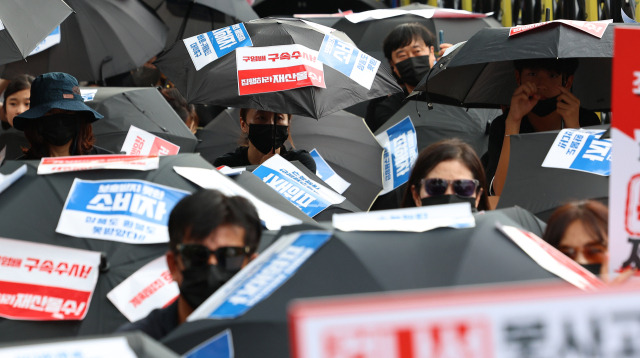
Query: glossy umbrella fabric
{"type": "Point", "coordinates": [357, 262]}
{"type": "Point", "coordinates": [23, 24]}
{"type": "Point", "coordinates": [101, 39]}
{"type": "Point", "coordinates": [220, 136]}
{"type": "Point", "coordinates": [217, 82]}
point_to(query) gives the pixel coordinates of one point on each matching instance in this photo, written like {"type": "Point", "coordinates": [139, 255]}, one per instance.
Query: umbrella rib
{"type": "Point", "coordinates": [164, 129]}
{"type": "Point", "coordinates": [474, 81]}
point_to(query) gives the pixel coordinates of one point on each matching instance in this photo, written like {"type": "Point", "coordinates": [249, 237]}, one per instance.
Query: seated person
{"type": "Point", "coordinates": [542, 102]}
{"type": "Point", "coordinates": [264, 141]}
{"type": "Point", "coordinates": [211, 237]}
{"type": "Point", "coordinates": [58, 122]}
{"type": "Point", "coordinates": [448, 171]}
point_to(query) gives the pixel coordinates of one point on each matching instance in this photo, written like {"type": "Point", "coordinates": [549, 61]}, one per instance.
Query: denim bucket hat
{"type": "Point", "coordinates": [54, 90]}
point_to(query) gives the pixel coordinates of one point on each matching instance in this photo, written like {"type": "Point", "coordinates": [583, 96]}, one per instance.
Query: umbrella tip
{"type": "Point", "coordinates": [104, 263]}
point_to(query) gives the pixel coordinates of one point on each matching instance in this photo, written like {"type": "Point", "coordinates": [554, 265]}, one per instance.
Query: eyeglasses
{"type": "Point", "coordinates": [462, 187]}
{"type": "Point", "coordinates": [593, 253]}
{"type": "Point", "coordinates": [228, 257]}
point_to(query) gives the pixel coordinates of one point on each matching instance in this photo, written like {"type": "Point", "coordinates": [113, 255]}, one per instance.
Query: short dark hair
{"type": "Point", "coordinates": [198, 214]}
{"type": "Point", "coordinates": [592, 214]}
{"type": "Point", "coordinates": [403, 34]}
{"type": "Point", "coordinates": [436, 153]}
{"type": "Point", "coordinates": [17, 84]}
{"type": "Point", "coordinates": [568, 66]}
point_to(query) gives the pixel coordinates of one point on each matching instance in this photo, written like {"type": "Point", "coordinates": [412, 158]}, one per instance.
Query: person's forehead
{"type": "Point", "coordinates": [415, 42]}
{"type": "Point", "coordinates": [539, 69]}
{"type": "Point", "coordinates": [223, 235]}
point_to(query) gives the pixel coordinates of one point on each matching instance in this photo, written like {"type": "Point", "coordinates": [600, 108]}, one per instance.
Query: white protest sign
{"type": "Point", "coordinates": [400, 145]}
{"type": "Point", "coordinates": [273, 218]}
{"type": "Point", "coordinates": [595, 28]}
{"type": "Point", "coordinates": [265, 274]}
{"type": "Point", "coordinates": [277, 68]}
{"type": "Point", "coordinates": [88, 348]}
{"type": "Point", "coordinates": [425, 13]}
{"type": "Point", "coordinates": [580, 150]}
{"type": "Point", "coordinates": [51, 165]}
{"type": "Point", "coordinates": [349, 60]}
{"type": "Point", "coordinates": [88, 94]}
{"type": "Point", "coordinates": [327, 174]}
{"type": "Point", "coordinates": [141, 142]}
{"type": "Point", "coordinates": [292, 184]}
{"type": "Point", "coordinates": [418, 219]}
{"type": "Point", "coordinates": [8, 179]}
{"type": "Point", "coordinates": [52, 39]}
{"type": "Point", "coordinates": [45, 282]}
{"type": "Point", "coordinates": [148, 288]}
{"type": "Point", "coordinates": [209, 46]}
{"type": "Point", "coordinates": [131, 211]}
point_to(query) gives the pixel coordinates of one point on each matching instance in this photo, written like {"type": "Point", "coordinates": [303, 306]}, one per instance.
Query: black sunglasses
{"type": "Point", "coordinates": [229, 257]}
{"type": "Point", "coordinates": [462, 187]}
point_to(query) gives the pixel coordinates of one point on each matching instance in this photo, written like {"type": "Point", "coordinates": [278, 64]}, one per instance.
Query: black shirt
{"type": "Point", "coordinates": [157, 324]}
{"type": "Point", "coordinates": [240, 158]}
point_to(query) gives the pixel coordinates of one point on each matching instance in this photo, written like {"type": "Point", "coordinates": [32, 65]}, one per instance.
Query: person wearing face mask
{"type": "Point", "coordinates": [542, 102]}
{"type": "Point", "coordinates": [211, 238]}
{"type": "Point", "coordinates": [58, 122]}
{"type": "Point", "coordinates": [448, 171]}
{"type": "Point", "coordinates": [266, 133]}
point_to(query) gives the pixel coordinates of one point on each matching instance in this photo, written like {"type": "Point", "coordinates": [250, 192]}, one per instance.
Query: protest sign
{"type": "Point", "coordinates": [400, 152]}
{"type": "Point", "coordinates": [88, 348]}
{"type": "Point", "coordinates": [277, 68]}
{"type": "Point", "coordinates": [45, 282]}
{"type": "Point", "coordinates": [51, 165]}
{"type": "Point", "coordinates": [295, 186]}
{"type": "Point", "coordinates": [218, 346]}
{"type": "Point", "coordinates": [595, 28]}
{"type": "Point", "coordinates": [131, 211]}
{"type": "Point", "coordinates": [88, 94]}
{"type": "Point", "coordinates": [580, 150]}
{"type": "Point", "coordinates": [148, 288]}
{"type": "Point", "coordinates": [349, 60]}
{"type": "Point", "coordinates": [327, 174]}
{"type": "Point", "coordinates": [51, 40]}
{"type": "Point", "coordinates": [8, 179]}
{"type": "Point", "coordinates": [209, 46]}
{"type": "Point", "coordinates": [378, 14]}
{"type": "Point", "coordinates": [141, 142]}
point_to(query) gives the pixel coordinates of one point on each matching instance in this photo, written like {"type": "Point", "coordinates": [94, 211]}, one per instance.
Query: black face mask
{"type": "Point", "coordinates": [413, 69]}
{"type": "Point", "coordinates": [58, 129]}
{"type": "Point", "coordinates": [593, 268]}
{"type": "Point", "coordinates": [544, 107]}
{"type": "Point", "coordinates": [449, 199]}
{"type": "Point", "coordinates": [261, 135]}
{"type": "Point", "coordinates": [198, 283]}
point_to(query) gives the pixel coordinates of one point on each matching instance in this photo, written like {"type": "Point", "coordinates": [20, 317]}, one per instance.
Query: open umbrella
{"type": "Point", "coordinates": [220, 136]}
{"type": "Point", "coordinates": [286, 7]}
{"type": "Point", "coordinates": [24, 24]}
{"type": "Point", "coordinates": [357, 262]}
{"type": "Point", "coordinates": [14, 140]}
{"type": "Point", "coordinates": [217, 82]}
{"type": "Point", "coordinates": [144, 108]}
{"type": "Point", "coordinates": [101, 39]}
{"type": "Point", "coordinates": [483, 73]}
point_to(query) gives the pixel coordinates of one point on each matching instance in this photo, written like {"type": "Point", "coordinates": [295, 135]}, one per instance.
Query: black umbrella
{"type": "Point", "coordinates": [539, 189]}
{"type": "Point", "coordinates": [14, 140]}
{"type": "Point", "coordinates": [101, 39]}
{"type": "Point", "coordinates": [286, 7]}
{"type": "Point", "coordinates": [220, 136]}
{"type": "Point", "coordinates": [217, 82]}
{"type": "Point", "coordinates": [483, 73]}
{"type": "Point", "coordinates": [144, 108]}
{"type": "Point", "coordinates": [24, 24]}
{"type": "Point", "coordinates": [30, 209]}
{"type": "Point", "coordinates": [357, 262]}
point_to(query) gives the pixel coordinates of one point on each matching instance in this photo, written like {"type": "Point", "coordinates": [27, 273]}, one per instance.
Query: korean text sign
{"type": "Point", "coordinates": [349, 60]}
{"type": "Point", "coordinates": [208, 47]}
{"type": "Point", "coordinates": [45, 282]}
{"type": "Point", "coordinates": [141, 142]}
{"type": "Point", "coordinates": [131, 211]}
{"type": "Point", "coordinates": [400, 152]}
{"type": "Point", "coordinates": [580, 150]}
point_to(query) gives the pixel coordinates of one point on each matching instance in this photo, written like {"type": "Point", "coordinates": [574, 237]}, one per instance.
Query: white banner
{"type": "Point", "coordinates": [141, 142]}
{"type": "Point", "coordinates": [8, 179]}
{"type": "Point", "coordinates": [347, 59]}
{"type": "Point", "coordinates": [88, 348]}
{"type": "Point", "coordinates": [51, 165]}
{"type": "Point", "coordinates": [51, 40]}
{"type": "Point", "coordinates": [400, 145]}
{"type": "Point", "coordinates": [209, 46]}
{"type": "Point", "coordinates": [581, 150]}
{"type": "Point", "coordinates": [327, 174]}
{"type": "Point", "coordinates": [426, 13]}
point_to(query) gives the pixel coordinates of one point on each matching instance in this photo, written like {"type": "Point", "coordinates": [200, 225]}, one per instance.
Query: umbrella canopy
{"type": "Point", "coordinates": [359, 262]}
{"type": "Point", "coordinates": [14, 140]}
{"type": "Point", "coordinates": [546, 188]}
{"type": "Point", "coordinates": [483, 73]}
{"type": "Point", "coordinates": [286, 7]}
{"type": "Point", "coordinates": [144, 108]}
{"type": "Point", "coordinates": [217, 82]}
{"type": "Point", "coordinates": [24, 24]}
{"type": "Point", "coordinates": [220, 136]}
{"type": "Point", "coordinates": [101, 39]}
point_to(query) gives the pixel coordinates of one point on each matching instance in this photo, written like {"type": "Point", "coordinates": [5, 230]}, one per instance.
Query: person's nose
{"type": "Point", "coordinates": [581, 259]}
{"type": "Point", "coordinates": [22, 108]}
{"type": "Point", "coordinates": [213, 260]}
{"type": "Point", "coordinates": [449, 190]}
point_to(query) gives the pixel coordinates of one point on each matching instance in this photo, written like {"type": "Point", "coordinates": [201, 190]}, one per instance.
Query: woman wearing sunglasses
{"type": "Point", "coordinates": [445, 172]}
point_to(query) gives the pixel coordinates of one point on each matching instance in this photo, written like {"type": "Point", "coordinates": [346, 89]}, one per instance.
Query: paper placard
{"type": "Point", "coordinates": [262, 276]}
{"type": "Point", "coordinates": [8, 179]}
{"type": "Point", "coordinates": [277, 68]}
{"type": "Point", "coordinates": [209, 46]}
{"type": "Point", "coordinates": [426, 13]}
{"type": "Point", "coordinates": [51, 40]}
{"type": "Point", "coordinates": [131, 211]}
{"type": "Point", "coordinates": [88, 348]}
{"type": "Point", "coordinates": [295, 186]}
{"type": "Point", "coordinates": [347, 59]}
{"type": "Point", "coordinates": [327, 174]}
{"type": "Point", "coordinates": [580, 150]}
{"type": "Point", "coordinates": [88, 94]}
{"type": "Point", "coordinates": [418, 219]}
{"type": "Point", "coordinates": [141, 142]}
{"type": "Point", "coordinates": [51, 165]}
{"type": "Point", "coordinates": [218, 346]}
{"type": "Point", "coordinates": [595, 28]}
{"type": "Point", "coordinates": [400, 145]}
{"type": "Point", "coordinates": [148, 288]}
{"type": "Point", "coordinates": [45, 282]}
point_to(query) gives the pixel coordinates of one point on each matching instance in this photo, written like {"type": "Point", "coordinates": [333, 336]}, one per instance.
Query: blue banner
{"type": "Point", "coordinates": [400, 152]}
{"type": "Point", "coordinates": [349, 60]}
{"type": "Point", "coordinates": [229, 38]}
{"type": "Point", "coordinates": [594, 157]}
{"type": "Point", "coordinates": [323, 170]}
{"type": "Point", "coordinates": [219, 346]}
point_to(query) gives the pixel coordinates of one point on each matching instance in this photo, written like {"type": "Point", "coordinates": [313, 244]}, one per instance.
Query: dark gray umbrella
{"type": "Point", "coordinates": [144, 108]}
{"type": "Point", "coordinates": [101, 39]}
{"type": "Point", "coordinates": [220, 136]}
{"type": "Point", "coordinates": [14, 140]}
{"type": "Point", "coordinates": [26, 23]}
{"type": "Point", "coordinates": [287, 7]}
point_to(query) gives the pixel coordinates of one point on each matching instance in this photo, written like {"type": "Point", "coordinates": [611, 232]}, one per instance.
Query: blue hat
{"type": "Point", "coordinates": [54, 90]}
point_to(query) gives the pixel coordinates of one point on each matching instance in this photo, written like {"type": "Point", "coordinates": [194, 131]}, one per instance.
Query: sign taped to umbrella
{"type": "Point", "coordinates": [277, 68]}
{"type": "Point", "coordinates": [218, 346]}
{"type": "Point", "coordinates": [148, 288]}
{"type": "Point", "coordinates": [208, 47]}
{"type": "Point", "coordinates": [595, 28]}
{"type": "Point", "coordinates": [45, 282]}
{"type": "Point", "coordinates": [51, 165]}
{"type": "Point", "coordinates": [295, 186]}
{"type": "Point", "coordinates": [349, 60]}
{"type": "Point", "coordinates": [7, 180]}
{"type": "Point", "coordinates": [51, 40]}
{"type": "Point", "coordinates": [131, 211]}
{"type": "Point", "coordinates": [580, 150]}
{"type": "Point", "coordinates": [141, 142]}
{"type": "Point", "coordinates": [400, 145]}
{"type": "Point", "coordinates": [94, 348]}
{"type": "Point", "coordinates": [264, 275]}
{"type": "Point", "coordinates": [326, 173]}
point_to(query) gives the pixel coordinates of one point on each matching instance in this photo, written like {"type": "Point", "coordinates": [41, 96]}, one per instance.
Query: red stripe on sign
{"type": "Point", "coordinates": [279, 79]}
{"type": "Point", "coordinates": [405, 343]}
{"type": "Point", "coordinates": [41, 303]}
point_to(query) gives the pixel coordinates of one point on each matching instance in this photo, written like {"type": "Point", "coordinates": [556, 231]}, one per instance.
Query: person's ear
{"type": "Point", "coordinates": [569, 81]}
{"type": "Point", "coordinates": [244, 126]}
{"type": "Point", "coordinates": [174, 266]}
{"type": "Point", "coordinates": [416, 196]}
